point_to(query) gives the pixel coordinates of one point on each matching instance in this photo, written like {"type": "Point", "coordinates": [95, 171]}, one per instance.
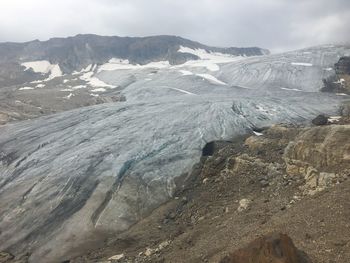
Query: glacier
{"type": "Point", "coordinates": [75, 177]}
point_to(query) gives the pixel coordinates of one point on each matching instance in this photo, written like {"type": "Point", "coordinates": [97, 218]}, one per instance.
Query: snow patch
{"type": "Point", "coordinates": [26, 88]}
{"type": "Point", "coordinates": [183, 91]}
{"type": "Point", "coordinates": [185, 72]}
{"type": "Point", "coordinates": [90, 67]}
{"type": "Point", "coordinates": [211, 78]}
{"type": "Point", "coordinates": [40, 86]}
{"type": "Point", "coordinates": [302, 64]}
{"type": "Point", "coordinates": [205, 55]}
{"type": "Point", "coordinates": [69, 96]}
{"type": "Point", "coordinates": [36, 81]}
{"type": "Point", "coordinates": [95, 82]}
{"type": "Point", "coordinates": [291, 89]}
{"type": "Point", "coordinates": [55, 72]}
{"type": "Point", "coordinates": [124, 64]}
{"type": "Point", "coordinates": [258, 133]}
{"type": "Point", "coordinates": [341, 94]}
{"type": "Point", "coordinates": [98, 90]}
{"type": "Point", "coordinates": [209, 60]}
{"type": "Point", "coordinates": [41, 66]}
{"type": "Point", "coordinates": [79, 87]}
{"type": "Point", "coordinates": [333, 119]}
{"type": "Point", "coordinates": [44, 67]}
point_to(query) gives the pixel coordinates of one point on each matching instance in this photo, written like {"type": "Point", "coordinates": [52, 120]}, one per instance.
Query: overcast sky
{"type": "Point", "coordinates": [275, 24]}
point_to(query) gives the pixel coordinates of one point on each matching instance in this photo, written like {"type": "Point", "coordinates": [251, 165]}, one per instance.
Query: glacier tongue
{"type": "Point", "coordinates": [73, 176]}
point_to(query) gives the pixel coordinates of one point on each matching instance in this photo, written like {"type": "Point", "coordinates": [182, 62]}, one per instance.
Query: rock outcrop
{"type": "Point", "coordinates": [321, 155]}
{"type": "Point", "coordinates": [340, 81]}
{"type": "Point", "coordinates": [343, 66]}
{"type": "Point", "coordinates": [273, 248]}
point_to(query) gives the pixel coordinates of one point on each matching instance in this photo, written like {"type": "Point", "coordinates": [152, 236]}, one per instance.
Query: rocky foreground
{"type": "Point", "coordinates": [287, 179]}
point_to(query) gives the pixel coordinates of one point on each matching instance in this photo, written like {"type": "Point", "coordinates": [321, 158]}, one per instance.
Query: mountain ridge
{"type": "Point", "coordinates": [77, 52]}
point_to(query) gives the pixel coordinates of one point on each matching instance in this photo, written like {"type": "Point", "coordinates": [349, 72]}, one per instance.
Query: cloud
{"type": "Point", "coordinates": [274, 24]}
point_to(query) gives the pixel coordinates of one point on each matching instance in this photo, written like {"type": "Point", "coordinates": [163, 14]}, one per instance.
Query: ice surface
{"type": "Point", "coordinates": [275, 71]}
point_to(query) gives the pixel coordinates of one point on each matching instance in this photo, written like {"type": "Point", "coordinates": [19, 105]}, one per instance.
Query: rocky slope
{"type": "Point", "coordinates": [246, 189]}
{"type": "Point", "coordinates": [71, 179]}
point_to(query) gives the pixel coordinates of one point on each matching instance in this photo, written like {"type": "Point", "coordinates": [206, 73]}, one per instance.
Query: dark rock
{"type": "Point", "coordinates": [273, 248]}
{"type": "Point", "coordinates": [320, 120]}
{"type": "Point", "coordinates": [264, 183]}
{"type": "Point", "coordinates": [338, 82]}
{"type": "Point", "coordinates": [343, 66]}
{"type": "Point", "coordinates": [208, 149]}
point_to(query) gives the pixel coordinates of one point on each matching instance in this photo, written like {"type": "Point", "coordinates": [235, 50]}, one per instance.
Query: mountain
{"type": "Point", "coordinates": [72, 178]}
{"type": "Point", "coordinates": [76, 53]}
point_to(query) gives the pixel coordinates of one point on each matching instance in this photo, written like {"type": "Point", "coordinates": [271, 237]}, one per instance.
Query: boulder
{"type": "Point", "coordinates": [320, 120]}
{"type": "Point", "coordinates": [243, 205]}
{"type": "Point", "coordinates": [272, 248]}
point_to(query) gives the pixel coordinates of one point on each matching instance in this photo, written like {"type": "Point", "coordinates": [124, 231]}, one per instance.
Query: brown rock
{"type": "Point", "coordinates": [321, 147]}
{"type": "Point", "coordinates": [273, 248]}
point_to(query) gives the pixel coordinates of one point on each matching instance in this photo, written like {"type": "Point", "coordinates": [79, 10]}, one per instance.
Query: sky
{"type": "Point", "coordinates": [278, 25]}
